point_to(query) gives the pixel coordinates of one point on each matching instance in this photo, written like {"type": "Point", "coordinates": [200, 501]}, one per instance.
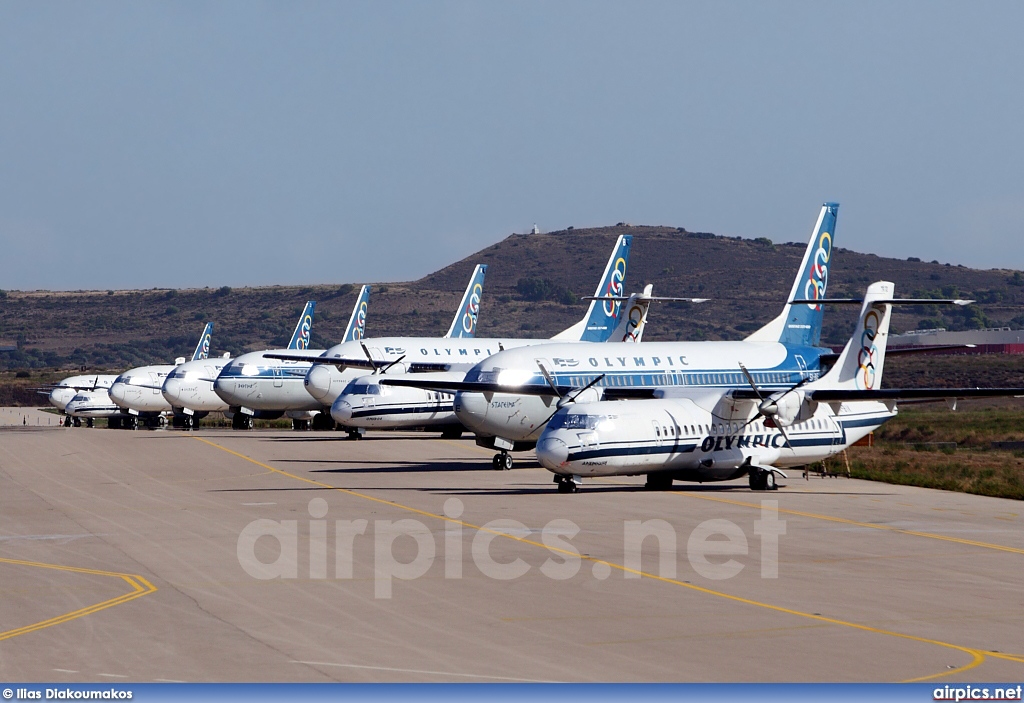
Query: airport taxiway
{"type": "Point", "coordinates": [119, 561]}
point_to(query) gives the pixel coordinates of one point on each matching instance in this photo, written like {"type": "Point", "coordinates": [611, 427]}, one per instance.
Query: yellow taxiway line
{"type": "Point", "coordinates": [977, 655]}
{"type": "Point", "coordinates": [140, 587]}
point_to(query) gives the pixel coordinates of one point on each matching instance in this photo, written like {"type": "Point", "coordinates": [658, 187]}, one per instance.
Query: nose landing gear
{"type": "Point", "coordinates": [568, 484]}
{"type": "Point", "coordinates": [502, 461]}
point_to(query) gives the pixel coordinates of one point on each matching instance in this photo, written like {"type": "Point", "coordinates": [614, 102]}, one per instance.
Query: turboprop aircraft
{"type": "Point", "coordinates": [326, 382]}
{"type": "Point", "coordinates": [717, 434]}
{"type": "Point", "coordinates": [62, 393]}
{"type": "Point", "coordinates": [366, 404]}
{"type": "Point", "coordinates": [506, 399]}
{"type": "Point", "coordinates": [137, 390]}
{"type": "Point", "coordinates": [89, 405]}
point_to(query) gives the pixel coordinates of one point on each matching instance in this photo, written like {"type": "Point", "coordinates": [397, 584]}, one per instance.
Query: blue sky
{"type": "Point", "coordinates": [201, 143]}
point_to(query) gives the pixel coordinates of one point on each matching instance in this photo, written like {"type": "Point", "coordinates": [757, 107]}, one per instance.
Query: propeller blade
{"type": "Point", "coordinates": [385, 369]}
{"type": "Point", "coordinates": [586, 387]}
{"type": "Point", "coordinates": [551, 381]}
{"type": "Point", "coordinates": [750, 380]}
{"type": "Point", "coordinates": [369, 357]}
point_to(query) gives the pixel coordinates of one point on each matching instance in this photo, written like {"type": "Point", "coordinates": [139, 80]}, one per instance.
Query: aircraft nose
{"type": "Point", "coordinates": [116, 393]}
{"type": "Point", "coordinates": [341, 411]}
{"type": "Point", "coordinates": [318, 381]}
{"type": "Point", "coordinates": [172, 388]}
{"type": "Point", "coordinates": [471, 409]}
{"type": "Point", "coordinates": [552, 453]}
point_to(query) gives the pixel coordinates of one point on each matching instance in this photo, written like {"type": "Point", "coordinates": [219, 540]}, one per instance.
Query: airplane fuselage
{"type": "Point", "coordinates": [676, 435]}
{"type": "Point", "coordinates": [367, 404]}
{"type": "Point", "coordinates": [190, 385]}
{"type": "Point", "coordinates": [258, 383]}
{"type": "Point", "coordinates": [138, 389]}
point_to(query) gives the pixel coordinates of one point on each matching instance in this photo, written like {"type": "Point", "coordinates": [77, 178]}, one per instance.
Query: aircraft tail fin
{"type": "Point", "coordinates": [859, 366]}
{"type": "Point", "coordinates": [300, 337]}
{"type": "Point", "coordinates": [800, 325]}
{"type": "Point", "coordinates": [356, 328]}
{"type": "Point", "coordinates": [599, 323]}
{"type": "Point", "coordinates": [203, 348]}
{"type": "Point", "coordinates": [633, 317]}
{"type": "Point", "coordinates": [464, 324]}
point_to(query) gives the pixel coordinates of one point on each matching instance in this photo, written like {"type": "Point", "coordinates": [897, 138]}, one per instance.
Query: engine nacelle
{"type": "Point", "coordinates": [794, 407]}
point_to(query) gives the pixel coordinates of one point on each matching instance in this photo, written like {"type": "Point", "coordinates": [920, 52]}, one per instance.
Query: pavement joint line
{"type": "Point", "coordinates": [140, 587]}
{"type": "Point", "coordinates": [421, 671]}
{"type": "Point", "coordinates": [977, 655]}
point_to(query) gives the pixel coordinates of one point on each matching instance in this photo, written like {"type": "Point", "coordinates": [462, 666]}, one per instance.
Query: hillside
{"type": "Point", "coordinates": [747, 281]}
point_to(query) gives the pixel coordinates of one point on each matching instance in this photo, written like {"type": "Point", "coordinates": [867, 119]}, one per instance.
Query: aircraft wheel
{"type": "Point", "coordinates": [189, 423]}
{"type": "Point", "coordinates": [502, 461]}
{"type": "Point", "coordinates": [89, 423]}
{"type": "Point", "coordinates": [77, 422]}
{"type": "Point", "coordinates": [769, 481]}
{"type": "Point", "coordinates": [658, 482]}
{"type": "Point", "coordinates": [354, 434]}
{"type": "Point", "coordinates": [758, 479]}
{"type": "Point", "coordinates": [67, 421]}
{"type": "Point", "coordinates": [567, 485]}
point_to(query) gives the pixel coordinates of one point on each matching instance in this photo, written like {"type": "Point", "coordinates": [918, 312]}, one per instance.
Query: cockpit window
{"type": "Point", "coordinates": [580, 421]}
{"type": "Point", "coordinates": [362, 388]}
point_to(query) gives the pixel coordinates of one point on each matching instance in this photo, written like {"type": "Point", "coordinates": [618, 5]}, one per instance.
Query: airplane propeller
{"type": "Point", "coordinates": [768, 407]}
{"type": "Point", "coordinates": [564, 400]}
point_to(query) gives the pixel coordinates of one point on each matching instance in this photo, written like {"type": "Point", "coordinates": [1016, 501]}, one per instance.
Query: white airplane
{"type": "Point", "coordinates": [137, 391]}
{"type": "Point", "coordinates": [89, 405]}
{"type": "Point", "coordinates": [61, 394]}
{"type": "Point", "coordinates": [424, 357]}
{"type": "Point", "coordinates": [274, 381]}
{"type": "Point", "coordinates": [365, 404]}
{"type": "Point", "coordinates": [506, 399]}
{"type": "Point", "coordinates": [325, 382]}
{"type": "Point", "coordinates": [718, 434]}
{"type": "Point", "coordinates": [258, 384]}
{"type": "Point", "coordinates": [188, 389]}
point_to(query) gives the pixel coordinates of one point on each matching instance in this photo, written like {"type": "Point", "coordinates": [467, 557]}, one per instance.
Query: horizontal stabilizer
{"type": "Point", "coordinates": [893, 301]}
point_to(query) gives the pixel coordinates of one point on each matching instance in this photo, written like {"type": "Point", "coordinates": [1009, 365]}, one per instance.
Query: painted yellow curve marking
{"type": "Point", "coordinates": [977, 655]}
{"type": "Point", "coordinates": [140, 587]}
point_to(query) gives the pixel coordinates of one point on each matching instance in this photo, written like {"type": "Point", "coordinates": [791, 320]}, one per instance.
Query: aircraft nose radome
{"type": "Point", "coordinates": [116, 392]}
{"type": "Point", "coordinates": [318, 381]}
{"type": "Point", "coordinates": [471, 409]}
{"type": "Point", "coordinates": [552, 453]}
{"type": "Point", "coordinates": [341, 411]}
{"type": "Point", "coordinates": [172, 388]}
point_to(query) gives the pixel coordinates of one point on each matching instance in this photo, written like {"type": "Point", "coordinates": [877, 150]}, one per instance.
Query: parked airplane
{"type": "Point", "coordinates": [497, 399]}
{"type": "Point", "coordinates": [366, 404]}
{"type": "Point", "coordinates": [259, 384]}
{"type": "Point", "coordinates": [89, 405]}
{"type": "Point", "coordinates": [325, 382]}
{"type": "Point", "coordinates": [61, 394]}
{"type": "Point", "coordinates": [137, 390]}
{"type": "Point", "coordinates": [190, 386]}
{"type": "Point", "coordinates": [424, 356]}
{"type": "Point", "coordinates": [717, 434]}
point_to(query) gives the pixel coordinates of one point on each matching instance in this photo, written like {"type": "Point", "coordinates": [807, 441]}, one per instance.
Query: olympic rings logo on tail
{"type": "Point", "coordinates": [636, 314]}
{"type": "Point", "coordinates": [360, 327]}
{"type": "Point", "coordinates": [817, 280]}
{"type": "Point", "coordinates": [615, 287]}
{"type": "Point", "coordinates": [866, 356]}
{"type": "Point", "coordinates": [472, 311]}
{"type": "Point", "coordinates": [303, 341]}
{"type": "Point", "coordinates": [204, 349]}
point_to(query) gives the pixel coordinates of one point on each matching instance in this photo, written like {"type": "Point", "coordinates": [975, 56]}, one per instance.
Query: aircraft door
{"type": "Point", "coordinates": [157, 382]}
{"type": "Point", "coordinates": [278, 380]}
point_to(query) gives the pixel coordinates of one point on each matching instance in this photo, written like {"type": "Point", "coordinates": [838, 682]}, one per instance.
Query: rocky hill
{"type": "Point", "coordinates": [532, 288]}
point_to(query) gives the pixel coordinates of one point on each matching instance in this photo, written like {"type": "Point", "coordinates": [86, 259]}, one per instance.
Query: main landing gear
{"type": "Point", "coordinates": [567, 484]}
{"type": "Point", "coordinates": [659, 482]}
{"type": "Point", "coordinates": [67, 421]}
{"type": "Point", "coordinates": [502, 461]}
{"type": "Point", "coordinates": [762, 480]}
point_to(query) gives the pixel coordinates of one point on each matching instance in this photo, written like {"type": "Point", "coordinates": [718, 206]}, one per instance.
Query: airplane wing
{"type": "Point", "coordinates": [829, 359]}
{"type": "Point", "coordinates": [478, 387]}
{"type": "Point", "coordinates": [826, 395]}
